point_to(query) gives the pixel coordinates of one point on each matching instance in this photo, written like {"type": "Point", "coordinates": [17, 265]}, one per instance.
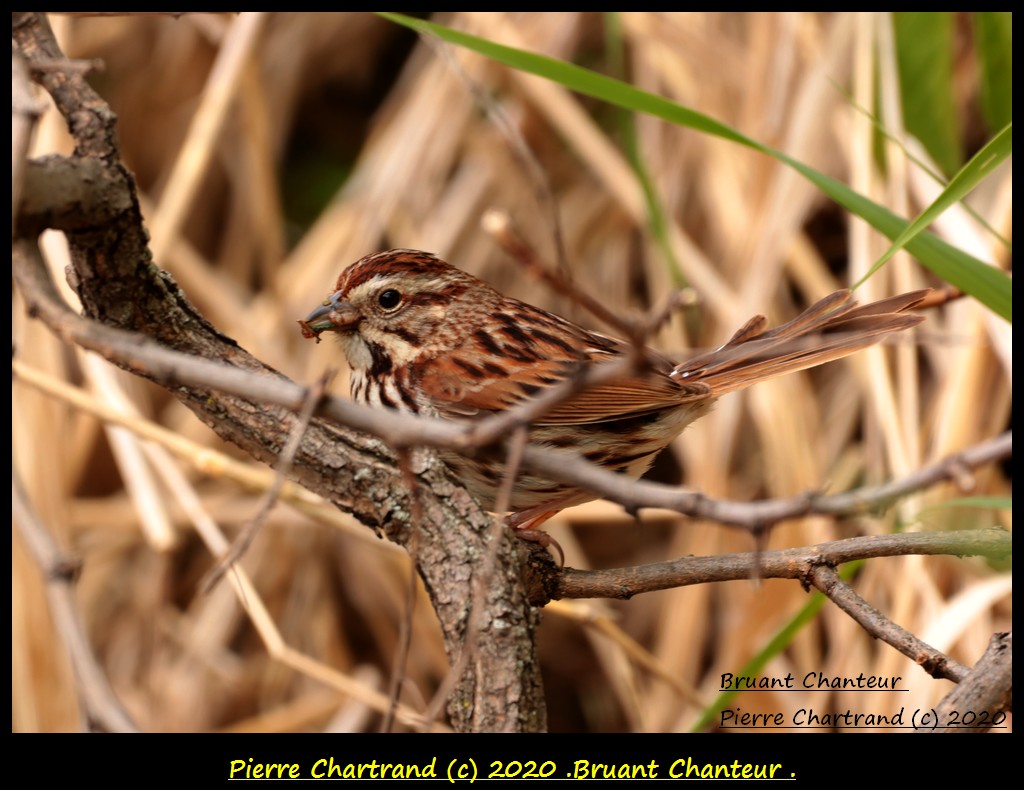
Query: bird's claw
{"type": "Point", "coordinates": [543, 539]}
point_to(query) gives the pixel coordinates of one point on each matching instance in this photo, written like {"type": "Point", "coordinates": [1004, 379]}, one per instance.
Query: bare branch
{"type": "Point", "coordinates": [984, 696]}
{"type": "Point", "coordinates": [785, 564]}
{"type": "Point", "coordinates": [398, 672]}
{"type": "Point", "coordinates": [498, 225]}
{"type": "Point", "coordinates": [101, 705]}
{"type": "Point", "coordinates": [633, 495]}
{"type": "Point", "coordinates": [881, 627]}
{"type": "Point", "coordinates": [285, 461]}
{"type": "Point", "coordinates": [25, 111]}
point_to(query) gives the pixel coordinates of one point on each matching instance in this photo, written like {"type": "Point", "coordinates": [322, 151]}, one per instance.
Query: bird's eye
{"type": "Point", "coordinates": [389, 299]}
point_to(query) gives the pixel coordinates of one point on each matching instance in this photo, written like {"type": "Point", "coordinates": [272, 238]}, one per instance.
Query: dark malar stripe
{"type": "Point", "coordinates": [383, 397]}
{"type": "Point", "coordinates": [407, 398]}
{"type": "Point", "coordinates": [381, 365]}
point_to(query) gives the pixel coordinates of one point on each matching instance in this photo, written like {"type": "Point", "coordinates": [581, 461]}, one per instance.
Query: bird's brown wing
{"type": "Point", "coordinates": [503, 364]}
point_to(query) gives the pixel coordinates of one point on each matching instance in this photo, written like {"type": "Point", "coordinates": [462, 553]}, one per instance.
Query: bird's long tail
{"type": "Point", "coordinates": [830, 329]}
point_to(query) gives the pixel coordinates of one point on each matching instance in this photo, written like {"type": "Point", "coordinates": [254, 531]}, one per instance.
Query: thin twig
{"type": "Point", "coordinates": [517, 143]}
{"type": "Point", "coordinates": [499, 226]}
{"type": "Point", "coordinates": [935, 663]}
{"type": "Point", "coordinates": [501, 424]}
{"type": "Point", "coordinates": [405, 627]}
{"type": "Point", "coordinates": [99, 702]}
{"type": "Point", "coordinates": [635, 494]}
{"type": "Point", "coordinates": [64, 65]}
{"type": "Point", "coordinates": [25, 112]}
{"type": "Point", "coordinates": [285, 460]}
{"type": "Point", "coordinates": [794, 563]}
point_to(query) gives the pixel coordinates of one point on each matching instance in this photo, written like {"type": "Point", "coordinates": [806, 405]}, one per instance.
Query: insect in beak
{"type": "Point", "coordinates": [334, 314]}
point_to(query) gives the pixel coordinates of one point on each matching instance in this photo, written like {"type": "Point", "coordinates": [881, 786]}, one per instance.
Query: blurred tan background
{"type": "Point", "coordinates": [272, 150]}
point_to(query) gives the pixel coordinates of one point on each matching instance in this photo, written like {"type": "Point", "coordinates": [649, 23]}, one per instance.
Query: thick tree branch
{"type": "Point", "coordinates": [984, 696]}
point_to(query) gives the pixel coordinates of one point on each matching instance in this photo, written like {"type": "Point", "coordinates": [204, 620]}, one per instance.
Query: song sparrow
{"type": "Point", "coordinates": [424, 337]}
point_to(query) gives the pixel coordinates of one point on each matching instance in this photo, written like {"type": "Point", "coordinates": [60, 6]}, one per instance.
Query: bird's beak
{"type": "Point", "coordinates": [335, 314]}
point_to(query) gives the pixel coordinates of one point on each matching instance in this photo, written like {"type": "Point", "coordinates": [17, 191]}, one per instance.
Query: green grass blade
{"type": "Point", "coordinates": [996, 151]}
{"type": "Point", "coordinates": [990, 286]}
{"type": "Point", "coordinates": [918, 162]}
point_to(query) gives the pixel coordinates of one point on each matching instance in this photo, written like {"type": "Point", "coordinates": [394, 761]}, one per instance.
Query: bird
{"type": "Point", "coordinates": [424, 337]}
